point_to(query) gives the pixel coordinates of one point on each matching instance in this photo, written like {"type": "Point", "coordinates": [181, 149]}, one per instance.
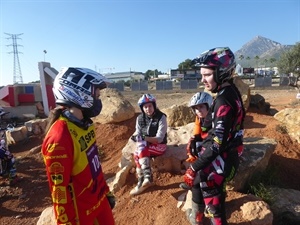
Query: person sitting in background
{"type": "Point", "coordinates": [151, 138]}
{"type": "Point", "coordinates": [7, 163]}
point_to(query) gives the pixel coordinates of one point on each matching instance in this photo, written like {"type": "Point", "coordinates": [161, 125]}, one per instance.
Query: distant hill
{"type": "Point", "coordinates": [262, 47]}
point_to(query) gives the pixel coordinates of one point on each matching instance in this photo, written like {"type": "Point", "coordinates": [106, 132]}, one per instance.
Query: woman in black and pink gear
{"type": "Point", "coordinates": [219, 158]}
{"type": "Point", "coordinates": [151, 138]}
{"type": "Point", "coordinates": [79, 191]}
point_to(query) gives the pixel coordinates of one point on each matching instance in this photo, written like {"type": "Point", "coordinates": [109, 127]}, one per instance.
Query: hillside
{"type": "Point", "coordinates": [262, 47]}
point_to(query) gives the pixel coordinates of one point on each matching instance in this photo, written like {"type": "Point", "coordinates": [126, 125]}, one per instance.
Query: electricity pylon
{"type": "Point", "coordinates": [18, 79]}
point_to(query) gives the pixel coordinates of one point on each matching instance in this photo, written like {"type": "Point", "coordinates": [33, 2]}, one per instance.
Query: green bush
{"type": "Point", "coordinates": [260, 183]}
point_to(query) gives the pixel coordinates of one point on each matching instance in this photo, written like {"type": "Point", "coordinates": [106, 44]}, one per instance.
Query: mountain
{"type": "Point", "coordinates": [262, 47]}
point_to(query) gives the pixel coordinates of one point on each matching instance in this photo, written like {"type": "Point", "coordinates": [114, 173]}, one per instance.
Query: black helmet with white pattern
{"type": "Point", "coordinates": [76, 86]}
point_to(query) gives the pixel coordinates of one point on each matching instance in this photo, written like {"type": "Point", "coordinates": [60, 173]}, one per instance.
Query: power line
{"type": "Point", "coordinates": [18, 79]}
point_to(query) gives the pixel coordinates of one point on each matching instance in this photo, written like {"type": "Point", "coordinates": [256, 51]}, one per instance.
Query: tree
{"type": "Point", "coordinates": [272, 60]}
{"type": "Point", "coordinates": [256, 59]}
{"type": "Point", "coordinates": [241, 57]}
{"type": "Point", "coordinates": [289, 62]}
{"type": "Point", "coordinates": [148, 74]}
{"type": "Point", "coordinates": [266, 61]}
{"type": "Point", "coordinates": [248, 58]}
{"type": "Point", "coordinates": [187, 64]}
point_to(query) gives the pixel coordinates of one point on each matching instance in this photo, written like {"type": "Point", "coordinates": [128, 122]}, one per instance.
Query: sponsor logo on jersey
{"type": "Point", "coordinates": [56, 168]}
{"type": "Point", "coordinates": [57, 178]}
{"type": "Point", "coordinates": [59, 195]}
{"type": "Point", "coordinates": [54, 147]}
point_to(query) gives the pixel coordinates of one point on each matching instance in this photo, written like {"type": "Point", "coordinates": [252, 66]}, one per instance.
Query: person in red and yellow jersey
{"type": "Point", "coordinates": [79, 192]}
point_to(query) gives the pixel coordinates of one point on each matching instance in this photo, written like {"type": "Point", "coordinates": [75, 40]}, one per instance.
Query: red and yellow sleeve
{"type": "Point", "coordinates": [58, 152]}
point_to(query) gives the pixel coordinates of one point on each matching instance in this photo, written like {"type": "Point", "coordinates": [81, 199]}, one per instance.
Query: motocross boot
{"type": "Point", "coordinates": [195, 214]}
{"type": "Point", "coordinates": [137, 189]}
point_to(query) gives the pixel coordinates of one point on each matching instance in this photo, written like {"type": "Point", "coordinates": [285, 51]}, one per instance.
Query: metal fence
{"type": "Point", "coordinates": [194, 84]}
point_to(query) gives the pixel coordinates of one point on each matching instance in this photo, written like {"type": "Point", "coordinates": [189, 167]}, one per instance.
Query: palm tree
{"type": "Point", "coordinates": [256, 59]}
{"type": "Point", "coordinates": [248, 58]}
{"type": "Point", "coordinates": [272, 60]}
{"type": "Point", "coordinates": [265, 60]}
{"type": "Point", "coordinates": [241, 57]}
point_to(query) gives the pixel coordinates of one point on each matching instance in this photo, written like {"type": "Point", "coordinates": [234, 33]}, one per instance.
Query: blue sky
{"type": "Point", "coordinates": [137, 35]}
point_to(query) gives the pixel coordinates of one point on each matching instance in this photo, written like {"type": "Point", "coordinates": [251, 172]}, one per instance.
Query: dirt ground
{"type": "Point", "coordinates": [23, 203]}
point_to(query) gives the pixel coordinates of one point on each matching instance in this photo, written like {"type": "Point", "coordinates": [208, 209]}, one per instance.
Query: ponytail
{"type": "Point", "coordinates": [53, 116]}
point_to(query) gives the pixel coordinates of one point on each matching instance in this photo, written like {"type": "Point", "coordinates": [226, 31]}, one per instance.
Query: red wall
{"type": "Point", "coordinates": [50, 96]}
{"type": "Point", "coordinates": [10, 98]}
{"type": "Point", "coordinates": [26, 98]}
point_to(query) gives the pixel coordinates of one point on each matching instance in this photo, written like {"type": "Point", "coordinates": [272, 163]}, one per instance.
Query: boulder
{"type": "Point", "coordinates": [16, 135]}
{"type": "Point", "coordinates": [255, 159]}
{"type": "Point", "coordinates": [179, 115]}
{"type": "Point", "coordinates": [47, 217]}
{"type": "Point", "coordinates": [290, 120]}
{"type": "Point", "coordinates": [286, 205]}
{"type": "Point", "coordinates": [244, 90]}
{"type": "Point", "coordinates": [115, 107]}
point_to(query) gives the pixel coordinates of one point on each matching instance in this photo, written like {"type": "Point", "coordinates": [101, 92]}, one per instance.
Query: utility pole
{"type": "Point", "coordinates": [17, 68]}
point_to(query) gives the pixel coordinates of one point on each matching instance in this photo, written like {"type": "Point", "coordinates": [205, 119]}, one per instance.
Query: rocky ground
{"type": "Point", "coordinates": [23, 203]}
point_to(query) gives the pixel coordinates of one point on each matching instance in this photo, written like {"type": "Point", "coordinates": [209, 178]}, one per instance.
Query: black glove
{"type": "Point", "coordinates": [136, 138]}
{"type": "Point", "coordinates": [111, 199]}
{"type": "Point", "coordinates": [193, 148]}
{"type": "Point", "coordinates": [133, 137]}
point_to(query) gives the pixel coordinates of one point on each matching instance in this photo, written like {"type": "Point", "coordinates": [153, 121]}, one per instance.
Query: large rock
{"type": "Point", "coordinates": [290, 119]}
{"type": "Point", "coordinates": [244, 90]}
{"type": "Point", "coordinates": [47, 217]}
{"type": "Point", "coordinates": [258, 101]}
{"type": "Point", "coordinates": [254, 159]}
{"type": "Point", "coordinates": [115, 107]}
{"type": "Point", "coordinates": [179, 115]}
{"type": "Point", "coordinates": [257, 212]}
{"type": "Point", "coordinates": [16, 135]}
{"type": "Point", "coordinates": [286, 205]}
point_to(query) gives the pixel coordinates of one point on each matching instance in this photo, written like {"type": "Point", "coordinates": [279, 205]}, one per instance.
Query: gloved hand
{"type": "Point", "coordinates": [189, 176]}
{"type": "Point", "coordinates": [190, 158]}
{"type": "Point", "coordinates": [111, 199]}
{"type": "Point", "coordinates": [137, 138]}
{"type": "Point", "coordinates": [191, 147]}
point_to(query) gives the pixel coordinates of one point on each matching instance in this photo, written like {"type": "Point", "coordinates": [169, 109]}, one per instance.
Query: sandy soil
{"type": "Point", "coordinates": [24, 203]}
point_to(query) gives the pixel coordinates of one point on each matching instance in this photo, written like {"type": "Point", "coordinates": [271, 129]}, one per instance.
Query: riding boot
{"type": "Point", "coordinates": [137, 189]}
{"type": "Point", "coordinates": [148, 179]}
{"type": "Point", "coordinates": [146, 167]}
{"type": "Point", "coordinates": [195, 214]}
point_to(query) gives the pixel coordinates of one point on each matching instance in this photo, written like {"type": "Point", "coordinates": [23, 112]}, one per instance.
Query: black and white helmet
{"type": "Point", "coordinates": [76, 86]}
{"type": "Point", "coordinates": [200, 98]}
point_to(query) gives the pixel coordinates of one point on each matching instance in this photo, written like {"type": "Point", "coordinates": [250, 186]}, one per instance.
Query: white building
{"type": "Point", "coordinates": [125, 76]}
